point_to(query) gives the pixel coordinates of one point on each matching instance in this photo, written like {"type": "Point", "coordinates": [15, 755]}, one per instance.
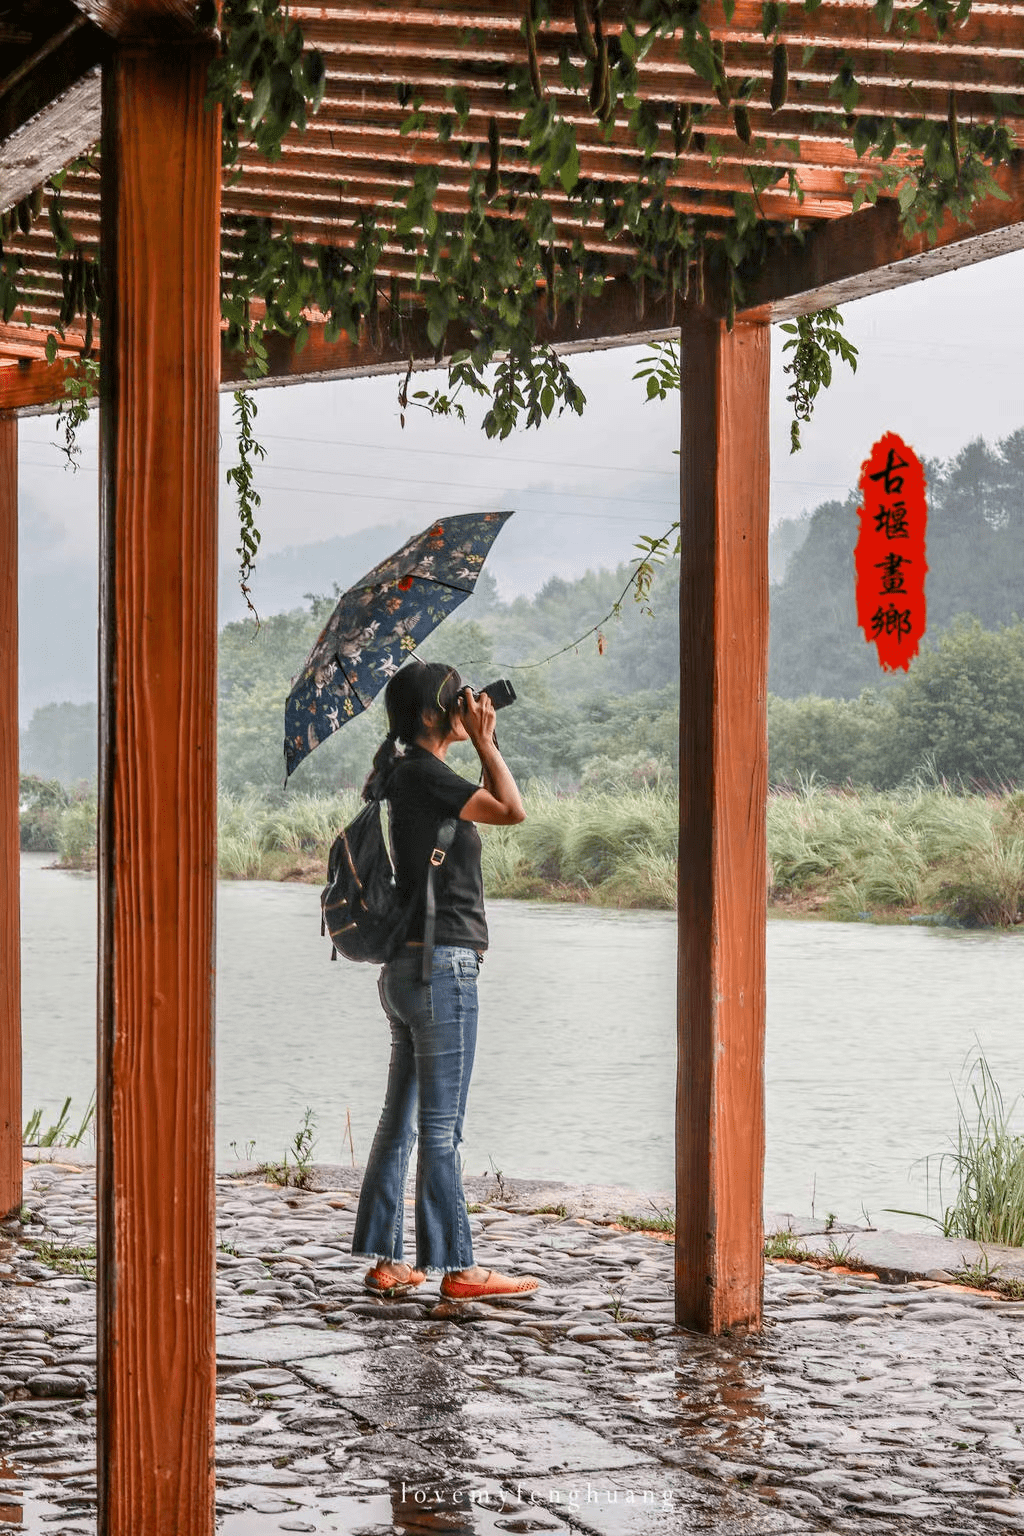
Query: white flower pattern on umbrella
{"type": "Point", "coordinates": [379, 621]}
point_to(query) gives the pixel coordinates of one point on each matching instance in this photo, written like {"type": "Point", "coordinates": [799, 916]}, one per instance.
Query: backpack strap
{"type": "Point", "coordinates": [445, 837]}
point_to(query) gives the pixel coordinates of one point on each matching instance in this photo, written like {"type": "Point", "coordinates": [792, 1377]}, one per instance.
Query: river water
{"type": "Point", "coordinates": [868, 1029]}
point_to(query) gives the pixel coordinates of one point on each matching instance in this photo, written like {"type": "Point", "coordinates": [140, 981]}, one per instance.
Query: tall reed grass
{"type": "Point", "coordinates": [914, 849]}
{"type": "Point", "coordinates": [988, 1165]}
{"type": "Point", "coordinates": [842, 854]}
{"type": "Point", "coordinates": [614, 848]}
{"type": "Point", "coordinates": [257, 840]}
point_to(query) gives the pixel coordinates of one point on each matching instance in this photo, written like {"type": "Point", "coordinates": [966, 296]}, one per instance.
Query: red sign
{"type": "Point", "coordinates": [890, 559]}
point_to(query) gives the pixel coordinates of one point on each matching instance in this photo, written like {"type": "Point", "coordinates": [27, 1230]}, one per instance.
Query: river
{"type": "Point", "coordinates": [868, 1029]}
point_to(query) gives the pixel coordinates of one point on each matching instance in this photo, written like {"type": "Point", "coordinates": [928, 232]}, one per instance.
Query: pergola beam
{"type": "Point", "coordinates": [33, 387]}
{"type": "Point", "coordinates": [868, 253]}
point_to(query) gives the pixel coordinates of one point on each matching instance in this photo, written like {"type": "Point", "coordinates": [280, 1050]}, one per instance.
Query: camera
{"type": "Point", "coordinates": [499, 693]}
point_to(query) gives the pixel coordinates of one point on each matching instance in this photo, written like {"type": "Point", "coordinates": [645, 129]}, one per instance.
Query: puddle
{"type": "Point", "coordinates": [727, 1406]}
{"type": "Point", "coordinates": [24, 1508]}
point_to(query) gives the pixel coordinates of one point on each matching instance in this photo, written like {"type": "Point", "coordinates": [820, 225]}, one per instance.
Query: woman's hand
{"type": "Point", "coordinates": [478, 716]}
{"type": "Point", "coordinates": [499, 802]}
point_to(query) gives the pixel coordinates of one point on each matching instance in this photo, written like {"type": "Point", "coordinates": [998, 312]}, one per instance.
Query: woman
{"type": "Point", "coordinates": [433, 1025]}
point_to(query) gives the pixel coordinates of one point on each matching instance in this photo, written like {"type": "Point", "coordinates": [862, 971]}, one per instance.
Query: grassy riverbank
{"type": "Point", "coordinates": [834, 855]}
{"type": "Point", "coordinates": [612, 849]}
{"type": "Point", "coordinates": [917, 852]}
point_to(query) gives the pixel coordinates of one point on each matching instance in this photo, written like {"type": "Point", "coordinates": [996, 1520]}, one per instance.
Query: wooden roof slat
{"type": "Point", "coordinates": [777, 130]}
{"type": "Point", "coordinates": [771, 144]}
{"type": "Point", "coordinates": [597, 161]}
{"type": "Point", "coordinates": [728, 176]}
{"type": "Point", "coordinates": [943, 69]}
{"type": "Point", "coordinates": [806, 98]}
{"type": "Point", "coordinates": [990, 28]}
{"type": "Point", "coordinates": [337, 171]}
{"type": "Point", "coordinates": [813, 119]}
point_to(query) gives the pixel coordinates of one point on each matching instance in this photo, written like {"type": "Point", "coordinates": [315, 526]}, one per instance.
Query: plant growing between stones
{"type": "Point", "coordinates": [66, 1258]}
{"type": "Point", "coordinates": [58, 1134]}
{"type": "Point", "coordinates": [298, 1170]}
{"type": "Point", "coordinates": [841, 1253]}
{"type": "Point", "coordinates": [503, 1193]}
{"type": "Point", "coordinates": [662, 1221]}
{"type": "Point", "coordinates": [786, 1245]}
{"type": "Point", "coordinates": [619, 1312]}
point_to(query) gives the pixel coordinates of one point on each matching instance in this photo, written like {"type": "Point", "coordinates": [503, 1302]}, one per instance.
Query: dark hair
{"type": "Point", "coordinates": [417, 689]}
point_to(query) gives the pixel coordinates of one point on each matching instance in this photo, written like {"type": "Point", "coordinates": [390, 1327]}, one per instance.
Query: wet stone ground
{"type": "Point", "coordinates": [863, 1407]}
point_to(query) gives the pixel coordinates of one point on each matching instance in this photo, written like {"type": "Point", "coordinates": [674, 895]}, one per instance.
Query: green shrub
{"type": "Point", "coordinates": [76, 835]}
{"type": "Point", "coordinates": [41, 804]}
{"type": "Point", "coordinates": [986, 889]}
{"type": "Point", "coordinates": [644, 878]}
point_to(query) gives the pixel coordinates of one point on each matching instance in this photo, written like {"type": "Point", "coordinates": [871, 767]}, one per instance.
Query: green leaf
{"type": "Point", "coordinates": [260, 99]}
{"type": "Point", "coordinates": [569, 173]}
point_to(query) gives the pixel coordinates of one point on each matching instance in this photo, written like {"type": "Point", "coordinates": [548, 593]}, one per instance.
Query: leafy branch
{"type": "Point", "coordinates": [814, 341]}
{"type": "Point", "coordinates": [240, 475]}
{"type": "Point", "coordinates": [81, 385]}
{"type": "Point", "coordinates": [488, 276]}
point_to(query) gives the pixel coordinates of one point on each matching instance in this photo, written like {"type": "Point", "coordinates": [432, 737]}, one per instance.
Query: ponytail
{"type": "Point", "coordinates": [384, 759]}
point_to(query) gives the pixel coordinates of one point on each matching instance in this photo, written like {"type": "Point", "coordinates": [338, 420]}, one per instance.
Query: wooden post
{"type": "Point", "coordinates": [157, 835]}
{"type": "Point", "coordinates": [723, 773]}
{"type": "Point", "coordinates": [10, 851]}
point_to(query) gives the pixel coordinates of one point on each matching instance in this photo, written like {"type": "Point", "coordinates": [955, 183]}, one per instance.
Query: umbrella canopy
{"type": "Point", "coordinates": [379, 621]}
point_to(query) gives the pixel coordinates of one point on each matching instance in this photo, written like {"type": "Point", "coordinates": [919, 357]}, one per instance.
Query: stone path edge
{"type": "Point", "coordinates": [894, 1255]}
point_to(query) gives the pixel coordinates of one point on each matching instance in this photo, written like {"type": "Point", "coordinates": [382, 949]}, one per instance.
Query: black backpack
{"type": "Point", "coordinates": [360, 905]}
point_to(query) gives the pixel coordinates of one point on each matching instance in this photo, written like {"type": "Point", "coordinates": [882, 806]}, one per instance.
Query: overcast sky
{"type": "Point", "coordinates": [940, 363]}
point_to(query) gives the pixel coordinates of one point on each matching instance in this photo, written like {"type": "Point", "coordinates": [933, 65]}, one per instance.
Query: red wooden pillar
{"type": "Point", "coordinates": [158, 632]}
{"type": "Point", "coordinates": [10, 853]}
{"type": "Point", "coordinates": [723, 774]}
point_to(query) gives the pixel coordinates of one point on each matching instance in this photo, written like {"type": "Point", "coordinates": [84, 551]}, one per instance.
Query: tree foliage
{"type": "Point", "coordinates": [958, 717]}
{"type": "Point", "coordinates": [975, 557]}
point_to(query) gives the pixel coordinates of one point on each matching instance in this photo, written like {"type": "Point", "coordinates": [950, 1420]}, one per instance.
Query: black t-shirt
{"type": "Point", "coordinates": [422, 792]}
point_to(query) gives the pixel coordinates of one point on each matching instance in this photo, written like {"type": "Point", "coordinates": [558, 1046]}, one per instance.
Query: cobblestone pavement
{"type": "Point", "coordinates": [863, 1407]}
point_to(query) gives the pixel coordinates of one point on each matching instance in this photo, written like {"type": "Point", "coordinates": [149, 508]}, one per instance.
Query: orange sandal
{"type": "Point", "coordinates": [388, 1282]}
{"type": "Point", "coordinates": [492, 1284]}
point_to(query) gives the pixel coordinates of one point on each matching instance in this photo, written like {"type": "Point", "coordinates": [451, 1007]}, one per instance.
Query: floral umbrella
{"type": "Point", "coordinates": [379, 621]}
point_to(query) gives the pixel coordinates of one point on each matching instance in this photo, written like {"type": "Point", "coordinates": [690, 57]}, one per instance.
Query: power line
{"type": "Point", "coordinates": [451, 504]}
{"type": "Point", "coordinates": [298, 469]}
{"type": "Point", "coordinates": [443, 453]}
{"type": "Point", "coordinates": [638, 501]}
{"type": "Point", "coordinates": [423, 501]}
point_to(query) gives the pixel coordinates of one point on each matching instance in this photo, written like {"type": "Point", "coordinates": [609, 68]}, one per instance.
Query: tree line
{"type": "Point", "coordinates": [605, 712]}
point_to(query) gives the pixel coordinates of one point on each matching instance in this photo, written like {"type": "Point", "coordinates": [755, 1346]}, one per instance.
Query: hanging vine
{"type": "Point", "coordinates": [486, 276]}
{"type": "Point", "coordinates": [240, 475]}
{"type": "Point", "coordinates": [491, 274]}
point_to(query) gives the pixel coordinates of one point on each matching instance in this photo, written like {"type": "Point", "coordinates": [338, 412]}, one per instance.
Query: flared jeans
{"type": "Point", "coordinates": [433, 1041]}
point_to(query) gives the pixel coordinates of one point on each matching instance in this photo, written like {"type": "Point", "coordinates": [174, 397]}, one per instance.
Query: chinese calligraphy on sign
{"type": "Point", "coordinates": [890, 553]}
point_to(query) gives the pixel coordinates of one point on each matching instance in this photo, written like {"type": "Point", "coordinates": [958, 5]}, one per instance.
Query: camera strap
{"type": "Point", "coordinates": [445, 837]}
